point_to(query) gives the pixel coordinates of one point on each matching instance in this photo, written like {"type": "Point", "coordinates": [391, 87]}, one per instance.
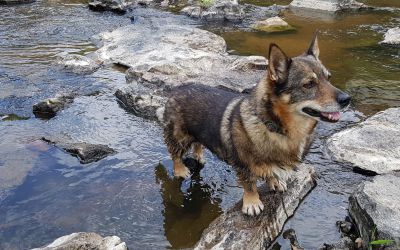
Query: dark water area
{"type": "Point", "coordinates": [46, 193]}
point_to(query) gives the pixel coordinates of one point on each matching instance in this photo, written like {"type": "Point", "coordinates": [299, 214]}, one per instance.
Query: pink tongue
{"type": "Point", "coordinates": [333, 115]}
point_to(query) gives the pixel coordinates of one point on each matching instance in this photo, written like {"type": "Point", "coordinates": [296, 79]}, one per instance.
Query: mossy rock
{"type": "Point", "coordinates": [273, 24]}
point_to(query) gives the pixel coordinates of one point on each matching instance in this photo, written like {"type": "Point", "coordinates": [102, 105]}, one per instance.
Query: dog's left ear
{"type": "Point", "coordinates": [278, 64]}
{"type": "Point", "coordinates": [313, 50]}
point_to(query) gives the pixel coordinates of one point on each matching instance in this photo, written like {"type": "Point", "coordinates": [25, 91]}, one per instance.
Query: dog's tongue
{"type": "Point", "coordinates": [334, 116]}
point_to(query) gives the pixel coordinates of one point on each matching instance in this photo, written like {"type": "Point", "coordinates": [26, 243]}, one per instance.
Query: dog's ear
{"type": "Point", "coordinates": [313, 50]}
{"type": "Point", "coordinates": [278, 64]}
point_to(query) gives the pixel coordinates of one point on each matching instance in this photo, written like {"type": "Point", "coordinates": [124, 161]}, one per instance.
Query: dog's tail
{"type": "Point", "coordinates": [160, 114]}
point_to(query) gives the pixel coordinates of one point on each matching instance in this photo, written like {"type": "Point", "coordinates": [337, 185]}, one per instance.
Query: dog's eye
{"type": "Point", "coordinates": [310, 84]}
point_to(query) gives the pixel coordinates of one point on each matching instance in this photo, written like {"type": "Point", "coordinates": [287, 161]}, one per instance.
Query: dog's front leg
{"type": "Point", "coordinates": [252, 204]}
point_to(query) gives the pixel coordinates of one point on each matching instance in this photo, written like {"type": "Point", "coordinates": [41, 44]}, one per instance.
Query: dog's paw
{"type": "Point", "coordinates": [183, 172]}
{"type": "Point", "coordinates": [277, 185]}
{"type": "Point", "coordinates": [201, 160]}
{"type": "Point", "coordinates": [253, 208]}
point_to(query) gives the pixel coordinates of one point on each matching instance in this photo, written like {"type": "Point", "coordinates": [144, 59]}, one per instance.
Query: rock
{"type": "Point", "coordinates": [118, 6]}
{"type": "Point", "coordinates": [219, 10]}
{"type": "Point", "coordinates": [185, 55]}
{"type": "Point", "coordinates": [78, 64]}
{"type": "Point", "coordinates": [375, 207]}
{"type": "Point", "coordinates": [273, 24]}
{"type": "Point", "coordinates": [85, 152]}
{"type": "Point", "coordinates": [392, 37]}
{"type": "Point", "coordinates": [233, 230]}
{"type": "Point", "coordinates": [85, 241]}
{"type": "Point", "coordinates": [328, 5]}
{"type": "Point", "coordinates": [372, 145]}
{"type": "Point", "coordinates": [290, 235]}
{"type": "Point", "coordinates": [344, 243]}
{"type": "Point", "coordinates": [48, 108]}
{"type": "Point", "coordinates": [143, 105]}
{"type": "Point", "coordinates": [11, 2]}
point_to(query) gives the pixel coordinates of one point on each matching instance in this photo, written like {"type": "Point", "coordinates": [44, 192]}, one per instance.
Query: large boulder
{"type": "Point", "coordinates": [375, 208]}
{"type": "Point", "coordinates": [85, 241]}
{"type": "Point", "coordinates": [392, 37]}
{"type": "Point", "coordinates": [328, 5]}
{"type": "Point", "coordinates": [118, 6]}
{"type": "Point", "coordinates": [372, 145]}
{"type": "Point", "coordinates": [233, 230]}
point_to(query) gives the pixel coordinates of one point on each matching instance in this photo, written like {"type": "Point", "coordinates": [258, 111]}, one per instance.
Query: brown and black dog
{"type": "Point", "coordinates": [263, 134]}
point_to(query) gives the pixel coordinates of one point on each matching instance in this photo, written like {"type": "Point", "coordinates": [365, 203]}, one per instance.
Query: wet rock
{"type": "Point", "coordinates": [85, 241]}
{"type": "Point", "coordinates": [233, 230]}
{"type": "Point", "coordinates": [48, 108]}
{"type": "Point", "coordinates": [392, 37]}
{"type": "Point", "coordinates": [290, 235]}
{"type": "Point", "coordinates": [344, 243]}
{"type": "Point", "coordinates": [345, 226]}
{"type": "Point", "coordinates": [143, 105]}
{"type": "Point", "coordinates": [78, 64]}
{"type": "Point", "coordinates": [372, 145]}
{"type": "Point", "coordinates": [272, 24]}
{"type": "Point", "coordinates": [375, 208]}
{"type": "Point", "coordinates": [328, 5]}
{"type": "Point", "coordinates": [118, 6]}
{"type": "Point", "coordinates": [85, 152]}
{"type": "Point", "coordinates": [185, 55]}
{"type": "Point", "coordinates": [12, 2]}
{"type": "Point", "coordinates": [219, 10]}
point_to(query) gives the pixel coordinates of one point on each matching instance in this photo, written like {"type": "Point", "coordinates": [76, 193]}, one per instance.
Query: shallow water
{"type": "Point", "coordinates": [46, 193]}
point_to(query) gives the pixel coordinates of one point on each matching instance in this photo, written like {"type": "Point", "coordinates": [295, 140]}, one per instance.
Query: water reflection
{"type": "Point", "coordinates": [186, 213]}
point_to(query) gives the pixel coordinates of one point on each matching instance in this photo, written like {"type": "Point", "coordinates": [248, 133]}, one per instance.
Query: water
{"type": "Point", "coordinates": [46, 193]}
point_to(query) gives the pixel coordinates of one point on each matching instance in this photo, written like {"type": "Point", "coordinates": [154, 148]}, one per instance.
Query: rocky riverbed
{"type": "Point", "coordinates": [80, 150]}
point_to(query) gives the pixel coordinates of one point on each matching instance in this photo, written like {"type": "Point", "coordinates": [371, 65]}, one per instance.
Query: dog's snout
{"type": "Point", "coordinates": [343, 99]}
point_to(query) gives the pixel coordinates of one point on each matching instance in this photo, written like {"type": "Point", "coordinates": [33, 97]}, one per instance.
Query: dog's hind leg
{"type": "Point", "coordinates": [178, 143]}
{"type": "Point", "coordinates": [198, 152]}
{"type": "Point", "coordinates": [252, 204]}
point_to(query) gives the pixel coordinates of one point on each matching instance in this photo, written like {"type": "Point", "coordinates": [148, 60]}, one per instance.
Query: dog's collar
{"type": "Point", "coordinates": [272, 126]}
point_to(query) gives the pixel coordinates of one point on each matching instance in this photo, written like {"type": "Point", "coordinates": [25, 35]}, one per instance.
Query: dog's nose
{"type": "Point", "coordinates": [343, 99]}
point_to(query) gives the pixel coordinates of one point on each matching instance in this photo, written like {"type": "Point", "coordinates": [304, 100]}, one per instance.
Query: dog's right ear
{"type": "Point", "coordinates": [278, 65]}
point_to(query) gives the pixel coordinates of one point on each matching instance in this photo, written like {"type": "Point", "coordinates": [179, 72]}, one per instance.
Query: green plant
{"type": "Point", "coordinates": [375, 242]}
{"type": "Point", "coordinates": [206, 3]}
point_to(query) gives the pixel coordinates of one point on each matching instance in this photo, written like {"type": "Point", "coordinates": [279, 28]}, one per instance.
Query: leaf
{"type": "Point", "coordinates": [381, 242]}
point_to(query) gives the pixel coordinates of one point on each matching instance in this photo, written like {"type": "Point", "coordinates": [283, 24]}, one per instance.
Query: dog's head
{"type": "Point", "coordinates": [303, 83]}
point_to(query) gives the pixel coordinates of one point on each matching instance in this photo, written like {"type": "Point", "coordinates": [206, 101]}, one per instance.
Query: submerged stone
{"type": "Point", "coordinates": [234, 230]}
{"type": "Point", "coordinates": [85, 241]}
{"type": "Point", "coordinates": [372, 145]}
{"type": "Point", "coordinates": [375, 208]}
{"type": "Point", "coordinates": [273, 24]}
{"type": "Point", "coordinates": [392, 37]}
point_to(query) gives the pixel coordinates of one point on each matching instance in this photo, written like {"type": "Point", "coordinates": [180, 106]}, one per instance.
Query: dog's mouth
{"type": "Point", "coordinates": [324, 116]}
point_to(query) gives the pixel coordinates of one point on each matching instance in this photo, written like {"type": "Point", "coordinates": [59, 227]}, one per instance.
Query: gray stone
{"type": "Point", "coordinates": [375, 207]}
{"type": "Point", "coordinates": [85, 152]}
{"type": "Point", "coordinates": [392, 37]}
{"type": "Point", "coordinates": [372, 145]}
{"type": "Point", "coordinates": [328, 5]}
{"type": "Point", "coordinates": [344, 243]}
{"type": "Point", "coordinates": [77, 64]}
{"type": "Point", "coordinates": [273, 24]}
{"type": "Point", "coordinates": [85, 241]}
{"type": "Point", "coordinates": [118, 6]}
{"type": "Point", "coordinates": [219, 10]}
{"type": "Point", "coordinates": [48, 108]}
{"type": "Point", "coordinates": [234, 230]}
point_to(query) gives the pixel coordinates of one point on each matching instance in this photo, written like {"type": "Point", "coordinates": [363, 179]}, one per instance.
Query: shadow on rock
{"type": "Point", "coordinates": [186, 214]}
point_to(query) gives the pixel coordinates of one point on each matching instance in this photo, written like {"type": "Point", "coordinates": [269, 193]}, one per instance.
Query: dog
{"type": "Point", "coordinates": [262, 134]}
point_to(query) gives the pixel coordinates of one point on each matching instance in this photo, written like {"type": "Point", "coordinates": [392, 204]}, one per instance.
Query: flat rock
{"type": "Point", "coordinates": [48, 108]}
{"type": "Point", "coordinates": [85, 241]}
{"type": "Point", "coordinates": [233, 230]}
{"type": "Point", "coordinates": [77, 64]}
{"type": "Point", "coordinates": [118, 6]}
{"type": "Point", "coordinates": [392, 37]}
{"type": "Point", "coordinates": [85, 152]}
{"type": "Point", "coordinates": [372, 145]}
{"type": "Point", "coordinates": [377, 204]}
{"type": "Point", "coordinates": [273, 24]}
{"type": "Point", "coordinates": [328, 5]}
